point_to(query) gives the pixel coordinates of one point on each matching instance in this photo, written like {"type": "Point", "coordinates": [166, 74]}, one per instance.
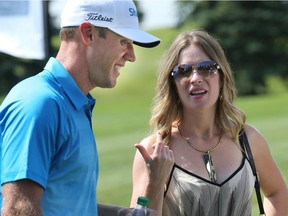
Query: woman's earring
{"type": "Point", "coordinates": [221, 97]}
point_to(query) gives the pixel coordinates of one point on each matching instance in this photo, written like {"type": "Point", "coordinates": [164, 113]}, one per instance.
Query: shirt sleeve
{"type": "Point", "coordinates": [28, 135]}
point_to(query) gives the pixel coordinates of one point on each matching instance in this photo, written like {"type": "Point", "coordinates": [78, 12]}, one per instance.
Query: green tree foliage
{"type": "Point", "coordinates": [254, 35]}
{"type": "Point", "coordinates": [13, 70]}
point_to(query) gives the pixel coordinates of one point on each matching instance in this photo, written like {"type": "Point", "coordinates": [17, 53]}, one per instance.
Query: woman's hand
{"type": "Point", "coordinates": [159, 163]}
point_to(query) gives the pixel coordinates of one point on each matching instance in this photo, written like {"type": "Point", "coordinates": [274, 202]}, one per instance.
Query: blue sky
{"type": "Point", "coordinates": [158, 13]}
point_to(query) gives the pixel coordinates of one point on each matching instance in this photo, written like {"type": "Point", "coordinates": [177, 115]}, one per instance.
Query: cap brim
{"type": "Point", "coordinates": [138, 37]}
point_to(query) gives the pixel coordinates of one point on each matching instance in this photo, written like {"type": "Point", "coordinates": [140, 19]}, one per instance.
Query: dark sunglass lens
{"type": "Point", "coordinates": [205, 68]}
{"type": "Point", "coordinates": [184, 70]}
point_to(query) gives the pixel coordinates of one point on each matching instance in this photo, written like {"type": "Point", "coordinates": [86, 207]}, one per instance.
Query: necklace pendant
{"type": "Point", "coordinates": [210, 166]}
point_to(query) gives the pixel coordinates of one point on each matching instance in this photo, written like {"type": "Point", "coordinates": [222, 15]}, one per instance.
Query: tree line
{"type": "Point", "coordinates": [254, 35]}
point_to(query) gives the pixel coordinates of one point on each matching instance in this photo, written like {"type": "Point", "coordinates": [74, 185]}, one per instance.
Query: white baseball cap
{"type": "Point", "coordinates": [120, 16]}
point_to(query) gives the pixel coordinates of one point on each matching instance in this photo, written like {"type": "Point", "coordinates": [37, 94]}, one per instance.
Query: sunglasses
{"type": "Point", "coordinates": [204, 69]}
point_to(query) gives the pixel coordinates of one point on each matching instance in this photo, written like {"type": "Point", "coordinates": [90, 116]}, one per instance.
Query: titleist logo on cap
{"type": "Point", "coordinates": [98, 17]}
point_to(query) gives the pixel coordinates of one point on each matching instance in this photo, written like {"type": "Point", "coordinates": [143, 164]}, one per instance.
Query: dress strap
{"type": "Point", "coordinates": [244, 143]}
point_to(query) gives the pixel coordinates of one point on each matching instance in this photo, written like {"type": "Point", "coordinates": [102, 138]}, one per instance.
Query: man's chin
{"type": "Point", "coordinates": [111, 84]}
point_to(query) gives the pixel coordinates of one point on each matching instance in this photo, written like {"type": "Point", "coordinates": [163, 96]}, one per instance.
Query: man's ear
{"type": "Point", "coordinates": [86, 30]}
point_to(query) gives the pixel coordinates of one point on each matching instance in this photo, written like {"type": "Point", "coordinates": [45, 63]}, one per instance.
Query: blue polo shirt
{"type": "Point", "coordinates": [46, 136]}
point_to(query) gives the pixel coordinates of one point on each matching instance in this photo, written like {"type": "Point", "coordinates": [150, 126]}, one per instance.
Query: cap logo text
{"type": "Point", "coordinates": [133, 12]}
{"type": "Point", "coordinates": [98, 17]}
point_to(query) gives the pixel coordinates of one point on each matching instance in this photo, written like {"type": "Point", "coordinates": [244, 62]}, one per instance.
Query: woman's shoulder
{"type": "Point", "coordinates": [252, 132]}
{"type": "Point", "coordinates": [256, 140]}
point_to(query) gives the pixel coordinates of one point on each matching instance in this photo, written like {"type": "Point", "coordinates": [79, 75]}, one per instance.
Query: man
{"type": "Point", "coordinates": [49, 163]}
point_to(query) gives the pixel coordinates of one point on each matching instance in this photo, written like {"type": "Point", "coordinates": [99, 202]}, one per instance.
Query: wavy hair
{"type": "Point", "coordinates": [167, 109]}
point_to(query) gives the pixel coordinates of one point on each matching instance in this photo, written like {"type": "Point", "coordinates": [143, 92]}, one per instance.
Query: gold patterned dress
{"type": "Point", "coordinates": [190, 195]}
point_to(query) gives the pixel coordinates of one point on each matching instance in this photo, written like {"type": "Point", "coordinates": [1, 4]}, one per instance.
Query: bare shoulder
{"type": "Point", "coordinates": [252, 131]}
{"type": "Point", "coordinates": [258, 143]}
{"type": "Point", "coordinates": [254, 136]}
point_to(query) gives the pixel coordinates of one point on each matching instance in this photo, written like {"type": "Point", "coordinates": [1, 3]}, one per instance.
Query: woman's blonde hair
{"type": "Point", "coordinates": [167, 108]}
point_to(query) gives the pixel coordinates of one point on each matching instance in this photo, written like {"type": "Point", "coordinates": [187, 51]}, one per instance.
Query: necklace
{"type": "Point", "coordinates": [209, 165]}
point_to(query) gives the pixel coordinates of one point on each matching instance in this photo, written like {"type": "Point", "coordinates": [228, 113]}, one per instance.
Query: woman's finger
{"type": "Point", "coordinates": [145, 154]}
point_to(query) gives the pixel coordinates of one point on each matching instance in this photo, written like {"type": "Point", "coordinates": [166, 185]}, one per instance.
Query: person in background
{"type": "Point", "coordinates": [194, 163]}
{"type": "Point", "coordinates": [49, 162]}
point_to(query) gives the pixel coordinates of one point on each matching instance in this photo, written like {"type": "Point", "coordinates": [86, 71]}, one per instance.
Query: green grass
{"type": "Point", "coordinates": [122, 114]}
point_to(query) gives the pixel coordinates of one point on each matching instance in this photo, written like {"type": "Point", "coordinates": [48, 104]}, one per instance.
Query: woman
{"type": "Point", "coordinates": [195, 165]}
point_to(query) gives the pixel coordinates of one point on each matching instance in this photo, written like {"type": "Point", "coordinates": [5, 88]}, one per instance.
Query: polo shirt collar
{"type": "Point", "coordinates": [76, 96]}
